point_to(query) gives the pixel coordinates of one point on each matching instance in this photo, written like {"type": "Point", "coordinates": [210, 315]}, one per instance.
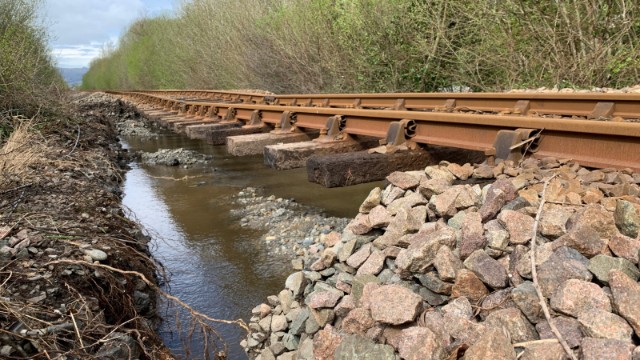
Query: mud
{"type": "Point", "coordinates": [76, 278]}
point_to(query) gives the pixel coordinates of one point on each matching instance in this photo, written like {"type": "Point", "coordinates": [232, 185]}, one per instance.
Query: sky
{"type": "Point", "coordinates": [79, 29]}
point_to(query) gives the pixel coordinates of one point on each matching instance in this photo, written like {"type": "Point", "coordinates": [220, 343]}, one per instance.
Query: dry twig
{"type": "Point", "coordinates": [15, 188]}
{"type": "Point", "coordinates": [76, 144]}
{"type": "Point", "coordinates": [75, 326]}
{"type": "Point", "coordinates": [186, 177]}
{"type": "Point", "coordinates": [534, 273]}
{"type": "Point", "coordinates": [535, 342]}
{"type": "Point", "coordinates": [149, 283]}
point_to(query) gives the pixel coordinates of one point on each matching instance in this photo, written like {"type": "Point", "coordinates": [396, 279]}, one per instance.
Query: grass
{"type": "Point", "coordinates": [21, 151]}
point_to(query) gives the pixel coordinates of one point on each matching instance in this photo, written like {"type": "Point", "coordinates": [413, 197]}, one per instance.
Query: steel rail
{"type": "Point", "coordinates": [222, 95]}
{"type": "Point", "coordinates": [584, 105]}
{"type": "Point", "coordinates": [604, 106]}
{"type": "Point", "coordinates": [591, 143]}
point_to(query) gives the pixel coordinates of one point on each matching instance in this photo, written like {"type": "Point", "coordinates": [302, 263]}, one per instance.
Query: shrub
{"type": "Point", "coordinates": [29, 83]}
{"type": "Point", "coordinates": [378, 45]}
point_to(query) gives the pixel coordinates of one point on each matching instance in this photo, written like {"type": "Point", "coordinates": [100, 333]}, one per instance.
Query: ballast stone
{"type": "Point", "coordinates": [426, 262]}
{"type": "Point", "coordinates": [394, 304]}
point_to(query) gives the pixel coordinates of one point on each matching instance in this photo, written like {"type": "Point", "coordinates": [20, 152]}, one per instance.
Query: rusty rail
{"type": "Point", "coordinates": [591, 106]}
{"type": "Point", "coordinates": [218, 95]}
{"type": "Point", "coordinates": [587, 105]}
{"type": "Point", "coordinates": [591, 143]}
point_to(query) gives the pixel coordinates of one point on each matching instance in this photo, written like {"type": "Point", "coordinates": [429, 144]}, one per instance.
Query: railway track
{"type": "Point", "coordinates": [203, 95]}
{"type": "Point", "coordinates": [623, 107]}
{"type": "Point", "coordinates": [596, 130]}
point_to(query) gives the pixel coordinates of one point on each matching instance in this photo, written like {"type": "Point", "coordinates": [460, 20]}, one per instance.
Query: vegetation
{"type": "Point", "coordinates": [378, 45]}
{"type": "Point", "coordinates": [29, 83]}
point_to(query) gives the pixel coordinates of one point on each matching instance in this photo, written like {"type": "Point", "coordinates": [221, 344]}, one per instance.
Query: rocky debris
{"type": "Point", "coordinates": [394, 304]}
{"type": "Point", "coordinates": [568, 327]}
{"type": "Point", "coordinates": [625, 247]}
{"type": "Point", "coordinates": [604, 325]}
{"type": "Point", "coordinates": [96, 254]}
{"type": "Point", "coordinates": [294, 232]}
{"type": "Point", "coordinates": [437, 265]}
{"type": "Point", "coordinates": [130, 121]}
{"type": "Point", "coordinates": [174, 157]}
{"type": "Point", "coordinates": [562, 265]}
{"type": "Point", "coordinates": [600, 265]}
{"type": "Point", "coordinates": [467, 284]}
{"type": "Point", "coordinates": [543, 352]}
{"type": "Point", "coordinates": [634, 89]}
{"type": "Point", "coordinates": [358, 347]}
{"type": "Point", "coordinates": [585, 240]}
{"type": "Point", "coordinates": [605, 349]}
{"type": "Point", "coordinates": [488, 270]}
{"type": "Point", "coordinates": [574, 297]}
{"type": "Point", "coordinates": [418, 343]}
{"type": "Point", "coordinates": [626, 298]}
{"type": "Point", "coordinates": [373, 200]}
{"type": "Point", "coordinates": [526, 299]}
{"type": "Point", "coordinates": [62, 230]}
{"type": "Point", "coordinates": [627, 217]}
{"type": "Point", "coordinates": [119, 346]}
{"type": "Point", "coordinates": [135, 127]}
{"type": "Point", "coordinates": [514, 323]}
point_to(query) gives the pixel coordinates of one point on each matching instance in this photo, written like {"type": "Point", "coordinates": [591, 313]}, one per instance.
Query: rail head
{"type": "Point", "coordinates": [503, 121]}
{"type": "Point", "coordinates": [590, 142]}
{"type": "Point", "coordinates": [586, 105]}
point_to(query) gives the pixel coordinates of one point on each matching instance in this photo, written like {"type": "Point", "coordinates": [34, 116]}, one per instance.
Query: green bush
{"type": "Point", "coordinates": [29, 83]}
{"type": "Point", "coordinates": [377, 45]}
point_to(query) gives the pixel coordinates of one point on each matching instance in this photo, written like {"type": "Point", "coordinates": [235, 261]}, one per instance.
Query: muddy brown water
{"type": "Point", "coordinates": [213, 263]}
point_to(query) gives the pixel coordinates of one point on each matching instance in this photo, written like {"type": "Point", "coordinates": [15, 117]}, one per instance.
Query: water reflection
{"type": "Point", "coordinates": [215, 265]}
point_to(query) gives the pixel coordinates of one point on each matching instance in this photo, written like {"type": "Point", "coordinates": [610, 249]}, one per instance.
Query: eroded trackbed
{"type": "Point", "coordinates": [598, 130]}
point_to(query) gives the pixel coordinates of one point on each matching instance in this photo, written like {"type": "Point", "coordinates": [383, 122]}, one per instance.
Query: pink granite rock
{"type": "Point", "coordinates": [598, 323]}
{"type": "Point", "coordinates": [472, 235]}
{"type": "Point", "coordinates": [494, 344]}
{"type": "Point", "coordinates": [626, 298]}
{"type": "Point", "coordinates": [625, 247]}
{"type": "Point", "coordinates": [468, 285]}
{"type": "Point", "coordinates": [420, 343]}
{"type": "Point", "coordinates": [324, 299]}
{"type": "Point", "coordinates": [358, 321]}
{"type": "Point", "coordinates": [576, 296]}
{"type": "Point", "coordinates": [325, 343]}
{"type": "Point", "coordinates": [519, 226]}
{"type": "Point", "coordinates": [499, 193]}
{"type": "Point", "coordinates": [394, 304]}
{"type": "Point", "coordinates": [373, 265]}
{"type": "Point", "coordinates": [360, 256]}
{"type": "Point", "coordinates": [605, 349]}
{"type": "Point", "coordinates": [403, 180]}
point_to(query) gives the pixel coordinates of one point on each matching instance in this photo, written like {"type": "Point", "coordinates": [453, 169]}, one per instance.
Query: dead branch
{"type": "Point", "coordinates": [535, 342]}
{"type": "Point", "coordinates": [76, 144]}
{"type": "Point", "coordinates": [186, 177]}
{"type": "Point", "coordinates": [176, 300]}
{"type": "Point", "coordinates": [15, 188]}
{"type": "Point", "coordinates": [534, 273]}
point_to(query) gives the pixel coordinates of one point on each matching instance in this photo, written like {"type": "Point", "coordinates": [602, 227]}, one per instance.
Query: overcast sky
{"type": "Point", "coordinates": [80, 28]}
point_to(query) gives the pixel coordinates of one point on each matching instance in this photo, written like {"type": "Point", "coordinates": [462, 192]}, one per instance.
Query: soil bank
{"type": "Point", "coordinates": [76, 278]}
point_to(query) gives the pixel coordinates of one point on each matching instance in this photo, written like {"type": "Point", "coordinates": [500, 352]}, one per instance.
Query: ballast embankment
{"type": "Point", "coordinates": [71, 263]}
{"type": "Point", "coordinates": [438, 265]}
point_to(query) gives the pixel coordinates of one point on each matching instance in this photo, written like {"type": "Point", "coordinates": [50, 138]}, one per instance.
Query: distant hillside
{"type": "Point", "coordinates": [73, 76]}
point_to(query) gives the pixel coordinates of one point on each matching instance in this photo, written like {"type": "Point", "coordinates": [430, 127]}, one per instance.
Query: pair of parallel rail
{"type": "Point", "coordinates": [597, 130]}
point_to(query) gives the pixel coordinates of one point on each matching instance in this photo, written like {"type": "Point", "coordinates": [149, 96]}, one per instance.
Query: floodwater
{"type": "Point", "coordinates": [212, 263]}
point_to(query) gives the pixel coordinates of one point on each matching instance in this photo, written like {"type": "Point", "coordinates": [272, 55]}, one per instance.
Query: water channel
{"type": "Point", "coordinates": [209, 257]}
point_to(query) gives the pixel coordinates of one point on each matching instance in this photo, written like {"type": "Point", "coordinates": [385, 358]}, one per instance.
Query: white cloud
{"type": "Point", "coordinates": [71, 56]}
{"type": "Point", "coordinates": [80, 28]}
